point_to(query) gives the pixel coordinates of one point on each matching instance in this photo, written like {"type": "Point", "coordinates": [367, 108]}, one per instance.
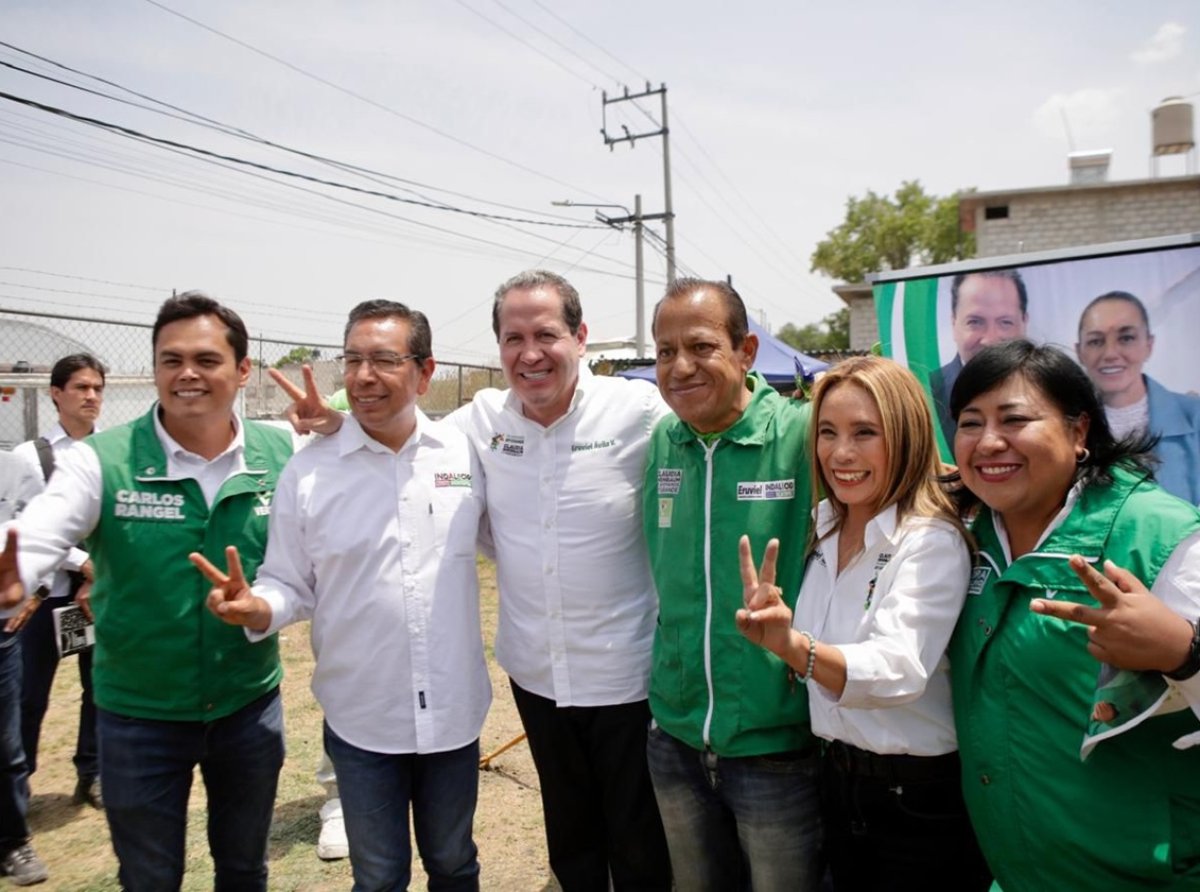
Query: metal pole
{"type": "Point", "coordinates": [640, 301]}
{"type": "Point", "coordinates": [667, 208]}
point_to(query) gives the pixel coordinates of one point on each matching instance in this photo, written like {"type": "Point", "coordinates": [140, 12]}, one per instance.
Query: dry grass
{"type": "Point", "coordinates": [73, 841]}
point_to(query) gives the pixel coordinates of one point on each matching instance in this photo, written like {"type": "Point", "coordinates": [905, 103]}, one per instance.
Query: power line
{"type": "Point", "coordinates": [584, 37]}
{"type": "Point", "coordinates": [558, 43]}
{"type": "Point", "coordinates": [237, 132]}
{"type": "Point", "coordinates": [523, 42]}
{"type": "Point", "coordinates": [374, 104]}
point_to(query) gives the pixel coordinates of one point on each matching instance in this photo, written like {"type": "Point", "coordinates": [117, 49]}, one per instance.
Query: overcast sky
{"type": "Point", "coordinates": [778, 112]}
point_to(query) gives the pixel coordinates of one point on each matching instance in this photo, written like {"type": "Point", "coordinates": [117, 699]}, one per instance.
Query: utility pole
{"type": "Point", "coordinates": [638, 219]}
{"type": "Point", "coordinates": [668, 215]}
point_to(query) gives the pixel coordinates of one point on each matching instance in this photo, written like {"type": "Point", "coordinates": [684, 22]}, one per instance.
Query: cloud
{"type": "Point", "coordinates": [1091, 112]}
{"type": "Point", "coordinates": [1167, 43]}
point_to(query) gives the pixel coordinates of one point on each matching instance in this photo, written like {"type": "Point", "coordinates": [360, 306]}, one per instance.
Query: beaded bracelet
{"type": "Point", "coordinates": [812, 654]}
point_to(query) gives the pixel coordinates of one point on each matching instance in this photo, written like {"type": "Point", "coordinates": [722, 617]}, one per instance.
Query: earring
{"type": "Point", "coordinates": [1082, 457]}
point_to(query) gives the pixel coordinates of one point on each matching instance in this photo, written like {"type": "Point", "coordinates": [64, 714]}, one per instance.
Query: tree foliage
{"type": "Point", "coordinates": [884, 232]}
{"type": "Point", "coordinates": [298, 356]}
{"type": "Point", "coordinates": [831, 333]}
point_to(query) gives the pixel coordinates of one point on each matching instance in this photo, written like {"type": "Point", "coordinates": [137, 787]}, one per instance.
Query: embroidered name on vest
{"type": "Point", "coordinates": [766, 490]}
{"type": "Point", "coordinates": [451, 478]}
{"type": "Point", "coordinates": [507, 444]}
{"type": "Point", "coordinates": [137, 505]}
{"type": "Point", "coordinates": [594, 444]}
{"type": "Point", "coordinates": [669, 481]}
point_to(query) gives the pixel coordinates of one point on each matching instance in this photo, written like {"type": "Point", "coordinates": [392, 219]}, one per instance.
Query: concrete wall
{"type": "Point", "coordinates": [1063, 218]}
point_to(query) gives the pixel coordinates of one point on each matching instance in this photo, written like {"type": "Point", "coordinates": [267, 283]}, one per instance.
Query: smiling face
{"type": "Point", "coordinates": [385, 403]}
{"type": "Point", "coordinates": [195, 372]}
{"type": "Point", "coordinates": [79, 401]}
{"type": "Point", "coordinates": [1114, 344]}
{"type": "Point", "coordinates": [539, 353]}
{"type": "Point", "coordinates": [988, 312]}
{"type": "Point", "coordinates": [851, 449]}
{"type": "Point", "coordinates": [701, 374]}
{"type": "Point", "coordinates": [1017, 452]}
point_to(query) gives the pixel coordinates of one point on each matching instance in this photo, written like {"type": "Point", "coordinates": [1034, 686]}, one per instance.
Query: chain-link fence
{"type": "Point", "coordinates": [30, 344]}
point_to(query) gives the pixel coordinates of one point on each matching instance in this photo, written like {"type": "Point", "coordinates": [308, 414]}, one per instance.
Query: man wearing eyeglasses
{"type": "Point", "coordinates": [372, 537]}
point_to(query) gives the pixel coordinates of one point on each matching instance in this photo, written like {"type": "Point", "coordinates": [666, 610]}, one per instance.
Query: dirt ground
{"type": "Point", "coordinates": [73, 840]}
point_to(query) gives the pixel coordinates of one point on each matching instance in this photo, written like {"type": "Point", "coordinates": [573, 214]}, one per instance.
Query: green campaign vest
{"type": "Point", "coordinates": [159, 653]}
{"type": "Point", "coordinates": [1129, 816]}
{"type": "Point", "coordinates": [760, 485]}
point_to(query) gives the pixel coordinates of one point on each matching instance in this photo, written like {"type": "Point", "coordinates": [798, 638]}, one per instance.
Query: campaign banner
{"type": "Point", "coordinates": [1132, 320]}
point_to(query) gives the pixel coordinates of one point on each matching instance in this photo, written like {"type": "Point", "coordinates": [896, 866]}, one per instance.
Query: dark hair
{"type": "Point", "coordinates": [1065, 384]}
{"type": "Point", "coordinates": [1122, 296]}
{"type": "Point", "coordinates": [1012, 275]}
{"type": "Point", "coordinates": [420, 339]}
{"type": "Point", "coordinates": [61, 374]}
{"type": "Point", "coordinates": [736, 322]}
{"type": "Point", "coordinates": [191, 304]}
{"type": "Point", "coordinates": [572, 309]}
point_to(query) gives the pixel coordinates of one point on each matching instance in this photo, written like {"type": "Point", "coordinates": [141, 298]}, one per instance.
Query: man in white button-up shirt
{"type": "Point", "coordinates": [77, 391]}
{"type": "Point", "coordinates": [564, 452]}
{"type": "Point", "coordinates": [372, 537]}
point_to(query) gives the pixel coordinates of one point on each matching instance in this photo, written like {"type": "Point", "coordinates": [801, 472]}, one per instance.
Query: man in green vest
{"type": "Point", "coordinates": [174, 686]}
{"type": "Point", "coordinates": [731, 753]}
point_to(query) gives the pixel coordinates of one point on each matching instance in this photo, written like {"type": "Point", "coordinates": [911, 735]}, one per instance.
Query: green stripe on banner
{"type": "Point", "coordinates": [885, 296]}
{"type": "Point", "coordinates": [920, 325]}
{"type": "Point", "coordinates": [921, 344]}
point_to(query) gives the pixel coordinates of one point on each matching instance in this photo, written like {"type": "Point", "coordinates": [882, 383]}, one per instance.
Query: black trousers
{"type": "Point", "coordinates": [40, 655]}
{"type": "Point", "coordinates": [601, 816]}
{"type": "Point", "coordinates": [898, 823]}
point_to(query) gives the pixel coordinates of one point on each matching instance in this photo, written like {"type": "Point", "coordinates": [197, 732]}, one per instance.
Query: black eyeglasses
{"type": "Point", "coordinates": [383, 361]}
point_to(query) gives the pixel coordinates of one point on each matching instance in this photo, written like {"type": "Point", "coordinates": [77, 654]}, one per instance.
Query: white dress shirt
{"type": "Point", "coordinates": [378, 549]}
{"type": "Point", "coordinates": [577, 602]}
{"type": "Point", "coordinates": [69, 508]}
{"type": "Point", "coordinates": [891, 613]}
{"type": "Point", "coordinates": [59, 583]}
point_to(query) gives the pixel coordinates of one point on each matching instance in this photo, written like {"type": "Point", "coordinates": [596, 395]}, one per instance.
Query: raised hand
{"type": "Point", "coordinates": [308, 412]}
{"type": "Point", "coordinates": [1131, 629]}
{"type": "Point", "coordinates": [231, 599]}
{"type": "Point", "coordinates": [765, 619]}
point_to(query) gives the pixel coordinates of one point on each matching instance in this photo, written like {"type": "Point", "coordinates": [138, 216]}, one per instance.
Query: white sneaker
{"type": "Point", "coordinates": [332, 844]}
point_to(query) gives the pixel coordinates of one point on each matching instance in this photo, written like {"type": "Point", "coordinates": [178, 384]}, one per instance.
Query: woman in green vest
{"type": "Point", "coordinates": [1073, 662]}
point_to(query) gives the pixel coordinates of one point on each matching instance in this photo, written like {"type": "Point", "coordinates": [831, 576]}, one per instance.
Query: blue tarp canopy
{"type": "Point", "coordinates": [776, 361]}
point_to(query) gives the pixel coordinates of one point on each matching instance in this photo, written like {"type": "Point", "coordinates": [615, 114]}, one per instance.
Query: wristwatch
{"type": "Point", "coordinates": [1192, 664]}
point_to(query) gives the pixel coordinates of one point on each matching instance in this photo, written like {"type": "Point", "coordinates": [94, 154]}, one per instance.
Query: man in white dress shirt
{"type": "Point", "coordinates": [372, 537]}
{"type": "Point", "coordinates": [77, 391]}
{"type": "Point", "coordinates": [563, 452]}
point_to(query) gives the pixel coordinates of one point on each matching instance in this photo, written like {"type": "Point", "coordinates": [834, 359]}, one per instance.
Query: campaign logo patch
{"type": "Point", "coordinates": [979, 578]}
{"type": "Point", "coordinates": [669, 481]}
{"type": "Point", "coordinates": [507, 444]}
{"type": "Point", "coordinates": [263, 508]}
{"type": "Point", "coordinates": [451, 478]}
{"type": "Point", "coordinates": [766, 490]}
{"type": "Point", "coordinates": [665, 509]}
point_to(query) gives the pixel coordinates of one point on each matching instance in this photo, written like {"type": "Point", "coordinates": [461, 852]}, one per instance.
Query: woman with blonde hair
{"type": "Point", "coordinates": [885, 582]}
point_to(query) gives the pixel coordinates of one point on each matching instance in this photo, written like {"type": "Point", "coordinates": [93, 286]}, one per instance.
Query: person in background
{"type": "Point", "coordinates": [882, 591]}
{"type": "Point", "coordinates": [1114, 344]}
{"type": "Point", "coordinates": [77, 391]}
{"type": "Point", "coordinates": [18, 861]}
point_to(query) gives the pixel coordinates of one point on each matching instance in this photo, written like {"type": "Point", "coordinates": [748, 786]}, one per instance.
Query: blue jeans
{"type": "Point", "coordinates": [751, 823]}
{"type": "Point", "coordinates": [376, 789]}
{"type": "Point", "coordinates": [146, 768]}
{"type": "Point", "coordinates": [14, 787]}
